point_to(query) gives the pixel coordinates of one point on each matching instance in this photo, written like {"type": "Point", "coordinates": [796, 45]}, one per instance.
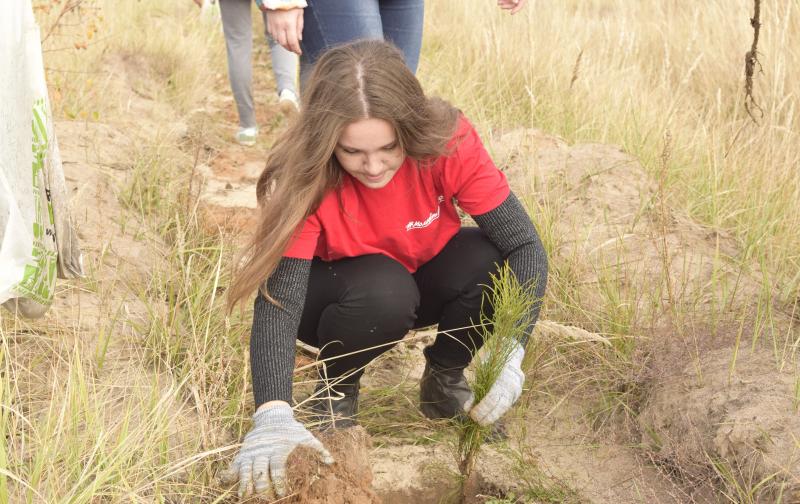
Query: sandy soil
{"type": "Point", "coordinates": [346, 481]}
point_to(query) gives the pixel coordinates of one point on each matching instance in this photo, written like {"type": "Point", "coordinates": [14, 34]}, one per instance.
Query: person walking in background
{"type": "Point", "coordinates": [237, 27]}
{"type": "Point", "coordinates": [359, 240]}
{"type": "Point", "coordinates": [309, 27]}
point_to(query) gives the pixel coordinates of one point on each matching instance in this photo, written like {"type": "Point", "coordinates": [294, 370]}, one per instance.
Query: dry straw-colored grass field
{"type": "Point", "coordinates": [665, 368]}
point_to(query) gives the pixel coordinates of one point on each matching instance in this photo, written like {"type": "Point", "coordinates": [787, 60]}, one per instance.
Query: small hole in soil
{"type": "Point", "coordinates": [445, 491]}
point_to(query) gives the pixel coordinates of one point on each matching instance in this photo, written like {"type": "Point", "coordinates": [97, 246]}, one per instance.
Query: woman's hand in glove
{"type": "Point", "coordinates": [261, 462]}
{"type": "Point", "coordinates": [504, 392]}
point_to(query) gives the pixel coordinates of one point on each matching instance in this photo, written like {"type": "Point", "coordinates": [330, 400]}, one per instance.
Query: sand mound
{"type": "Point", "coordinates": [744, 422]}
{"type": "Point", "coordinates": [602, 210]}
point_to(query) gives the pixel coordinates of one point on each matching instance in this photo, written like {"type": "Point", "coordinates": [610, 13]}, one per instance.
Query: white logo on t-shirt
{"type": "Point", "coordinates": [427, 222]}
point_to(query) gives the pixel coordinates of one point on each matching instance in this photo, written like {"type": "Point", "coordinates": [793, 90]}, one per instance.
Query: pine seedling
{"type": "Point", "coordinates": [502, 332]}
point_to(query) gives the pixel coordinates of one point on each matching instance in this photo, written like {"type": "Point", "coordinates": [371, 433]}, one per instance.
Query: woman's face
{"type": "Point", "coordinates": [369, 151]}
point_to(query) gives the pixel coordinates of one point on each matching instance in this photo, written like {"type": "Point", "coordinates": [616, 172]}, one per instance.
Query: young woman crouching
{"type": "Point", "coordinates": [359, 241]}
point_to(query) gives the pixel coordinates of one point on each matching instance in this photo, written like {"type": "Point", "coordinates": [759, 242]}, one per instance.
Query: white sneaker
{"type": "Point", "coordinates": [247, 136]}
{"type": "Point", "coordinates": [288, 102]}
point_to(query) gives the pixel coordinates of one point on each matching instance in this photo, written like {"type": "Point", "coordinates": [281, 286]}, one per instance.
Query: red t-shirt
{"type": "Point", "coordinates": [413, 217]}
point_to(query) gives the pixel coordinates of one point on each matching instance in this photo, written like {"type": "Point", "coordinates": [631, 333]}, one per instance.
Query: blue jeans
{"type": "Point", "coordinates": [327, 23]}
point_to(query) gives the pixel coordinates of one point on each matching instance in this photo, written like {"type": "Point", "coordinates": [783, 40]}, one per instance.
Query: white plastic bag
{"type": "Point", "coordinates": [16, 239]}
{"type": "Point", "coordinates": [33, 205]}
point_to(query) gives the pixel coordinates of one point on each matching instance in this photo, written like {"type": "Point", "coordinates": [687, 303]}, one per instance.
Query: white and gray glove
{"type": "Point", "coordinates": [261, 462]}
{"type": "Point", "coordinates": [504, 392]}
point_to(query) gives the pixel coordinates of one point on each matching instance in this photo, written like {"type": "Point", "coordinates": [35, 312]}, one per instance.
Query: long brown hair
{"type": "Point", "coordinates": [360, 80]}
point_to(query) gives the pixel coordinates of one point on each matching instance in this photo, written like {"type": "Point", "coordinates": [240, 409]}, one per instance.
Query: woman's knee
{"type": "Point", "coordinates": [480, 260]}
{"type": "Point", "coordinates": [361, 300]}
{"type": "Point", "coordinates": [377, 309]}
{"type": "Point", "coordinates": [386, 291]}
{"type": "Point", "coordinates": [477, 250]}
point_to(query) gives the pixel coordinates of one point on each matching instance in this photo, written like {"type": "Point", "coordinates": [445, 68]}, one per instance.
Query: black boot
{"type": "Point", "coordinates": [442, 391]}
{"type": "Point", "coordinates": [335, 406]}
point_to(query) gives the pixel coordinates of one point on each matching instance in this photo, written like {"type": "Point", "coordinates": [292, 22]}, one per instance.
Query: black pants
{"type": "Point", "coordinates": [360, 302]}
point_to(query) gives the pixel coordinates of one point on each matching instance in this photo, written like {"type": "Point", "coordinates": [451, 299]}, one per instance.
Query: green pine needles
{"type": "Point", "coordinates": [511, 303]}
